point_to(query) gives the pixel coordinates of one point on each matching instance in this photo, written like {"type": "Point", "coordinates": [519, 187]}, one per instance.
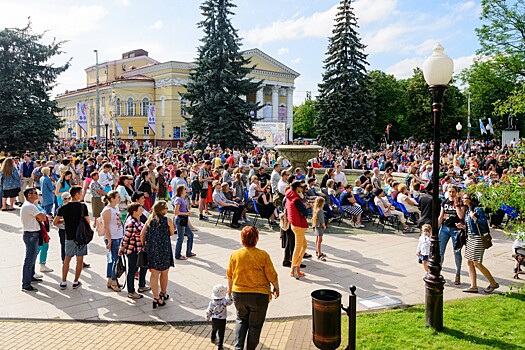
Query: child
{"type": "Point", "coordinates": [423, 247]}
{"type": "Point", "coordinates": [217, 312]}
{"type": "Point", "coordinates": [319, 225]}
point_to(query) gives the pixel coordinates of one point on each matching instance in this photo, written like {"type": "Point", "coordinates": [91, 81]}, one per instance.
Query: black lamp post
{"type": "Point", "coordinates": [106, 123]}
{"type": "Point", "coordinates": [438, 70]}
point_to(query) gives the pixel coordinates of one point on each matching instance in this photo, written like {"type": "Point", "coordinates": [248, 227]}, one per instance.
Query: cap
{"type": "Point", "coordinates": [66, 195]}
{"type": "Point", "coordinates": [219, 291]}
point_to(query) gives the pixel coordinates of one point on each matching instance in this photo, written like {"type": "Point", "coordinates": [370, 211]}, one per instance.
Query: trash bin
{"type": "Point", "coordinates": [326, 319]}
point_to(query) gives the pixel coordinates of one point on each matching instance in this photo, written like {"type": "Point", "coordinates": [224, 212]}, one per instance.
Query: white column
{"type": "Point", "coordinates": [259, 98]}
{"type": "Point", "coordinates": [275, 102]}
{"type": "Point", "coordinates": [289, 112]}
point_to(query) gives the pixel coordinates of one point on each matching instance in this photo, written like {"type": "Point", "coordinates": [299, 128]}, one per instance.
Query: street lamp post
{"type": "Point", "coordinates": [458, 128]}
{"type": "Point", "coordinates": [438, 70]}
{"type": "Point", "coordinates": [106, 123]}
{"type": "Point", "coordinates": [97, 98]}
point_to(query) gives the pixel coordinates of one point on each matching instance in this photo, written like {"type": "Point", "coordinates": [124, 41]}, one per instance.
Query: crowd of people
{"type": "Point", "coordinates": [132, 188]}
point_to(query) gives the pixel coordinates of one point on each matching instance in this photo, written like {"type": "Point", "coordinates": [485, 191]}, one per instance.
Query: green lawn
{"type": "Point", "coordinates": [495, 322]}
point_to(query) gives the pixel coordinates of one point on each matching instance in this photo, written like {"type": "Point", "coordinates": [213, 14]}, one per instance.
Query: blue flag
{"type": "Point", "coordinates": [482, 127]}
{"type": "Point", "coordinates": [491, 127]}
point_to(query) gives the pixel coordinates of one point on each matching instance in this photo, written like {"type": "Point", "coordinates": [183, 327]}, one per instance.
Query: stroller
{"type": "Point", "coordinates": [519, 256]}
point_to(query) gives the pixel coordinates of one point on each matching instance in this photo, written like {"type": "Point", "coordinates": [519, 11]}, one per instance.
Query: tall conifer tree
{"type": "Point", "coordinates": [344, 103]}
{"type": "Point", "coordinates": [218, 112]}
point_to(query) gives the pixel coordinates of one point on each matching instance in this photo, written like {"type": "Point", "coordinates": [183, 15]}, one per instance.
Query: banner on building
{"type": "Point", "coordinates": [82, 116]}
{"type": "Point", "coordinates": [152, 115]}
{"type": "Point", "coordinates": [282, 114]}
{"type": "Point", "coordinates": [119, 128]}
{"type": "Point", "coordinates": [267, 112]}
{"type": "Point", "coordinates": [272, 134]}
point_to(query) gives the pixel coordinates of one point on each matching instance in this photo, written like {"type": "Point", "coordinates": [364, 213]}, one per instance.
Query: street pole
{"type": "Point", "coordinates": [97, 99]}
{"type": "Point", "coordinates": [468, 121]}
{"type": "Point", "coordinates": [107, 126]}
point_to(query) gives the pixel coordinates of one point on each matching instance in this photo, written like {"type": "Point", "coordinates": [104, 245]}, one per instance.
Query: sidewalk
{"type": "Point", "coordinates": [383, 267]}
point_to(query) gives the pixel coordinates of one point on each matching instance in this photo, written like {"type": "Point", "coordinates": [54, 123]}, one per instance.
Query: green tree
{"type": "Point", "coordinates": [28, 117]}
{"type": "Point", "coordinates": [303, 119]}
{"type": "Point", "coordinates": [218, 113]}
{"type": "Point", "coordinates": [419, 119]}
{"type": "Point", "coordinates": [344, 102]}
{"type": "Point", "coordinates": [389, 104]}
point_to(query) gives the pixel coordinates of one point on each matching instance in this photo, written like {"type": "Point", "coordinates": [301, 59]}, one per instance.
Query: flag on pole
{"type": "Point", "coordinates": [82, 115]}
{"type": "Point", "coordinates": [491, 127]}
{"type": "Point", "coordinates": [151, 118]}
{"type": "Point", "coordinates": [119, 128]}
{"type": "Point", "coordinates": [482, 127]}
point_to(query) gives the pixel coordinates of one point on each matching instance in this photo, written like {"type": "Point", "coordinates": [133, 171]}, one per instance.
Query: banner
{"type": "Point", "coordinates": [482, 127]}
{"type": "Point", "coordinates": [82, 116]}
{"type": "Point", "coordinates": [119, 128]}
{"type": "Point", "coordinates": [267, 112]}
{"type": "Point", "coordinates": [152, 114]}
{"type": "Point", "coordinates": [491, 127]}
{"type": "Point", "coordinates": [282, 114]}
{"type": "Point", "coordinates": [272, 134]}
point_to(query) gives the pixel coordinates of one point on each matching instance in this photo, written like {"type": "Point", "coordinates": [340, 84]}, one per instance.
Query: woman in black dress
{"type": "Point", "coordinates": [155, 236]}
{"type": "Point", "coordinates": [265, 205]}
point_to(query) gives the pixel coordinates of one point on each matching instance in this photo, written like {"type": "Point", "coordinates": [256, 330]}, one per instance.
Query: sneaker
{"type": "Point", "coordinates": [86, 265]}
{"type": "Point", "coordinates": [63, 285]}
{"type": "Point", "coordinates": [144, 289]}
{"type": "Point", "coordinates": [29, 289]}
{"type": "Point", "coordinates": [37, 275]}
{"type": "Point", "coordinates": [242, 221]}
{"type": "Point", "coordinates": [36, 280]}
{"type": "Point", "coordinates": [76, 284]}
{"type": "Point", "coordinates": [359, 226]}
{"type": "Point", "coordinates": [235, 225]}
{"type": "Point", "coordinates": [45, 269]}
{"type": "Point", "coordinates": [202, 217]}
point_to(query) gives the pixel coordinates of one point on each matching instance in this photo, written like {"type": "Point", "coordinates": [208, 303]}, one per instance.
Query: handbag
{"type": "Point", "coordinates": [486, 238]}
{"type": "Point", "coordinates": [283, 220]}
{"type": "Point", "coordinates": [120, 269]}
{"type": "Point", "coordinates": [142, 259]}
{"type": "Point", "coordinates": [183, 220]}
{"type": "Point", "coordinates": [461, 240]}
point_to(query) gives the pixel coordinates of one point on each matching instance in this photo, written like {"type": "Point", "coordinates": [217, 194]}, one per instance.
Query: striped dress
{"type": "Point", "coordinates": [474, 248]}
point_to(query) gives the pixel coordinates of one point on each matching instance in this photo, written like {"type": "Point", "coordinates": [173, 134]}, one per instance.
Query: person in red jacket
{"type": "Point", "coordinates": [297, 213]}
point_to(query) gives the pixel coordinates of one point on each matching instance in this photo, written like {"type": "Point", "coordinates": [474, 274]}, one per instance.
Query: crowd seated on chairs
{"type": "Point", "coordinates": [388, 210]}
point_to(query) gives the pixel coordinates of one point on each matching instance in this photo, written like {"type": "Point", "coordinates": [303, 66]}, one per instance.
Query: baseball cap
{"type": "Point", "coordinates": [66, 195]}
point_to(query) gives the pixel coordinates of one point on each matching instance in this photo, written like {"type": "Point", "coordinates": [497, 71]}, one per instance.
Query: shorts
{"type": "Point", "coordinates": [423, 257]}
{"type": "Point", "coordinates": [72, 249]}
{"type": "Point", "coordinates": [204, 193]}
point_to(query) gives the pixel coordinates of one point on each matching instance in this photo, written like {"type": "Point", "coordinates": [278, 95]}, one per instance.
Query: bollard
{"type": "Point", "coordinates": [351, 312]}
{"type": "Point", "coordinates": [326, 319]}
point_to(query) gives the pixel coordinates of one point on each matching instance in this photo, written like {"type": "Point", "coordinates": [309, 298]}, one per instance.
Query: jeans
{"type": "Point", "coordinates": [445, 233]}
{"type": "Point", "coordinates": [112, 258]}
{"type": "Point", "coordinates": [43, 252]}
{"type": "Point", "coordinates": [48, 209]}
{"type": "Point", "coordinates": [132, 269]}
{"type": "Point", "coordinates": [181, 231]}
{"type": "Point", "coordinates": [28, 270]}
{"type": "Point", "coordinates": [218, 325]}
{"type": "Point", "coordinates": [251, 313]}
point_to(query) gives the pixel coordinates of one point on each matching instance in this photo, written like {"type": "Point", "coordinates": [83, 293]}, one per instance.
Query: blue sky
{"type": "Point", "coordinates": [399, 34]}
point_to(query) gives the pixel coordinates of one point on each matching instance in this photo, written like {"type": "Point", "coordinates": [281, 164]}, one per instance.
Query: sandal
{"type": "Point", "coordinates": [191, 255]}
{"type": "Point", "coordinates": [163, 296]}
{"type": "Point", "coordinates": [306, 256]}
{"type": "Point", "coordinates": [471, 290]}
{"type": "Point", "coordinates": [135, 295]}
{"type": "Point", "coordinates": [182, 258]}
{"type": "Point", "coordinates": [115, 288]}
{"type": "Point", "coordinates": [490, 289]}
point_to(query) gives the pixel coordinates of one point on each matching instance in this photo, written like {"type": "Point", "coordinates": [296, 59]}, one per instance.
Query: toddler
{"type": "Point", "coordinates": [217, 312]}
{"type": "Point", "coordinates": [423, 247]}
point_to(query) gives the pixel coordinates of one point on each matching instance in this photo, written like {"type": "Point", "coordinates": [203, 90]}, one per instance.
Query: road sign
{"type": "Point", "coordinates": [74, 134]}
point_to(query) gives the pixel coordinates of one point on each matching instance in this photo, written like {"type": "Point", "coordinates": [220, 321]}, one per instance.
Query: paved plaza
{"type": "Point", "coordinates": [383, 267]}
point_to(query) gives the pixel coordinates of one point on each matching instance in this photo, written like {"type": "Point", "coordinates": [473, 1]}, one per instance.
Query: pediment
{"type": "Point", "coordinates": [265, 62]}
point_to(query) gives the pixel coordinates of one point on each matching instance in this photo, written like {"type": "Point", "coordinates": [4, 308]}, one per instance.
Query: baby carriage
{"type": "Point", "coordinates": [519, 255]}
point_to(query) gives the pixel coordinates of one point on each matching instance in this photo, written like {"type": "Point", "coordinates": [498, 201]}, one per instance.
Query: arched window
{"type": "Point", "coordinates": [144, 106]}
{"type": "Point", "coordinates": [130, 107]}
{"type": "Point", "coordinates": [119, 107]}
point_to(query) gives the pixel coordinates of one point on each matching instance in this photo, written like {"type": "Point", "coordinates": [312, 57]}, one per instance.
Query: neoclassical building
{"type": "Point", "coordinates": [129, 85]}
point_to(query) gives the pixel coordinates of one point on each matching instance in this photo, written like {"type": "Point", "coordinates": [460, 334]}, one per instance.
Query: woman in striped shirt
{"type": "Point", "coordinates": [131, 246]}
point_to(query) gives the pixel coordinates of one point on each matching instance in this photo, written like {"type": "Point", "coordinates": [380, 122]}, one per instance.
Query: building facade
{"type": "Point", "coordinates": [129, 85]}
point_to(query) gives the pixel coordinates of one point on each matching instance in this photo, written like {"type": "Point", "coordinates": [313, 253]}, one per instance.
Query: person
{"type": "Point", "coordinates": [97, 192]}
{"type": "Point", "coordinates": [63, 185]}
{"type": "Point", "coordinates": [113, 233]}
{"type": "Point", "coordinates": [138, 197]}
{"type": "Point", "coordinates": [409, 203]}
{"type": "Point", "coordinates": [155, 236]}
{"type": "Point", "coordinates": [66, 198]}
{"type": "Point", "coordinates": [145, 187]}
{"type": "Point", "coordinates": [263, 176]}
{"type": "Point", "coordinates": [205, 178]}
{"type": "Point", "coordinates": [26, 172]}
{"type": "Point", "coordinates": [451, 214]}
{"type": "Point", "coordinates": [182, 217]}
{"type": "Point", "coordinates": [328, 175]}
{"type": "Point", "coordinates": [297, 213]}
{"type": "Point", "coordinates": [265, 205]}
{"type": "Point", "coordinates": [10, 183]}
{"type": "Point", "coordinates": [474, 220]}
{"type": "Point", "coordinates": [30, 217]}
{"type": "Point", "coordinates": [250, 273]}
{"type": "Point", "coordinates": [388, 209]}
{"type": "Point", "coordinates": [71, 214]}
{"type": "Point", "coordinates": [48, 191]}
{"type": "Point", "coordinates": [131, 245]}
{"type": "Point", "coordinates": [319, 225]}
{"type": "Point", "coordinates": [125, 191]}
{"type": "Point", "coordinates": [220, 199]}
{"type": "Point", "coordinates": [275, 177]}
{"type": "Point", "coordinates": [351, 206]}
{"type": "Point", "coordinates": [162, 185]}
{"type": "Point", "coordinates": [425, 205]}
{"type": "Point", "coordinates": [339, 176]}
{"type": "Point", "coordinates": [217, 313]}
{"type": "Point", "coordinates": [43, 246]}
{"type": "Point", "coordinates": [423, 246]}
{"type": "Point", "coordinates": [254, 189]}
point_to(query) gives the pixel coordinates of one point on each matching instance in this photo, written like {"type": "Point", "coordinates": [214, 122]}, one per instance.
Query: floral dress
{"type": "Point", "coordinates": [158, 245]}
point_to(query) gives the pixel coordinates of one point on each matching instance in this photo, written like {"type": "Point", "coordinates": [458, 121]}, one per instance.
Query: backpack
{"type": "Point", "coordinates": [100, 226]}
{"type": "Point", "coordinates": [84, 233]}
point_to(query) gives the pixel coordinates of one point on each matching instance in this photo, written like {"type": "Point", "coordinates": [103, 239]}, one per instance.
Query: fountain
{"type": "Point", "coordinates": [298, 155]}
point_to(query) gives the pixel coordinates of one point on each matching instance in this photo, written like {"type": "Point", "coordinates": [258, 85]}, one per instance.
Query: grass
{"type": "Point", "coordinates": [494, 322]}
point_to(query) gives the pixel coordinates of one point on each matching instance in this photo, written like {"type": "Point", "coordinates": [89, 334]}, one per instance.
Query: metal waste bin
{"type": "Point", "coordinates": [326, 319]}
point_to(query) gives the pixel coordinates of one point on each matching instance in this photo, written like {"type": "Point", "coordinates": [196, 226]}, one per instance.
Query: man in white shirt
{"type": "Point", "coordinates": [275, 177]}
{"type": "Point", "coordinates": [30, 216]}
{"type": "Point", "coordinates": [283, 182]}
{"type": "Point", "coordinates": [427, 174]}
{"type": "Point", "coordinates": [339, 176]}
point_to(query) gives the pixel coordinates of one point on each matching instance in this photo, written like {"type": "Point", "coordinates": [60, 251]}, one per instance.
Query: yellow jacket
{"type": "Point", "coordinates": [252, 271]}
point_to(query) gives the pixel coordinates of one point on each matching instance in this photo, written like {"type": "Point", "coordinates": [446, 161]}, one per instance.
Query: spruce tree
{"type": "Point", "coordinates": [344, 103]}
{"type": "Point", "coordinates": [28, 117]}
{"type": "Point", "coordinates": [218, 113]}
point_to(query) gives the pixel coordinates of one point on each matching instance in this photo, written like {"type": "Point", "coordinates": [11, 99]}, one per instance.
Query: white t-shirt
{"type": "Point", "coordinates": [251, 190]}
{"type": "Point", "coordinates": [340, 177]}
{"type": "Point", "coordinates": [28, 215]}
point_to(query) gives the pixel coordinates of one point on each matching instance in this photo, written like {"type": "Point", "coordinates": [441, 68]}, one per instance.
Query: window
{"type": "Point", "coordinates": [130, 130]}
{"type": "Point", "coordinates": [146, 131]}
{"type": "Point", "coordinates": [130, 107]}
{"type": "Point", "coordinates": [103, 101]}
{"type": "Point", "coordinates": [119, 107]}
{"type": "Point", "coordinates": [176, 133]}
{"type": "Point", "coordinates": [144, 106]}
{"type": "Point", "coordinates": [163, 106]}
{"type": "Point", "coordinates": [183, 131]}
{"type": "Point", "coordinates": [183, 107]}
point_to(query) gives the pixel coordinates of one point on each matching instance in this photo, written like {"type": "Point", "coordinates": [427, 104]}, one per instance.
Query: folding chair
{"type": "Point", "coordinates": [409, 215]}
{"type": "Point", "coordinates": [257, 215]}
{"type": "Point", "coordinates": [223, 213]}
{"type": "Point", "coordinates": [342, 213]}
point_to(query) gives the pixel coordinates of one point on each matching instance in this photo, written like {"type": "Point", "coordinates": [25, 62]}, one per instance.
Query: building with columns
{"type": "Point", "coordinates": [127, 86]}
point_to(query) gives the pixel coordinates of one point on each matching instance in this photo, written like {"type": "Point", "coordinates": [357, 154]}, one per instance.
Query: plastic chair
{"type": "Point", "coordinates": [341, 210]}
{"type": "Point", "coordinates": [223, 213]}
{"type": "Point", "coordinates": [257, 215]}
{"type": "Point", "coordinates": [409, 215]}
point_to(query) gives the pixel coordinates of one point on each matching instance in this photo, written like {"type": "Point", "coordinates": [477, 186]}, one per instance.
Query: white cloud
{"type": "Point", "coordinates": [372, 11]}
{"type": "Point", "coordinates": [123, 2]}
{"type": "Point", "coordinates": [296, 60]}
{"type": "Point", "coordinates": [463, 62]}
{"type": "Point", "coordinates": [283, 51]}
{"type": "Point", "coordinates": [405, 68]}
{"type": "Point", "coordinates": [157, 25]}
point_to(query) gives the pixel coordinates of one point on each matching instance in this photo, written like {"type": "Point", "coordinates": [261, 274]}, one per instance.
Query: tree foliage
{"type": "Point", "coordinates": [344, 102]}
{"type": "Point", "coordinates": [28, 117]}
{"type": "Point", "coordinates": [219, 114]}
{"type": "Point", "coordinates": [303, 119]}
